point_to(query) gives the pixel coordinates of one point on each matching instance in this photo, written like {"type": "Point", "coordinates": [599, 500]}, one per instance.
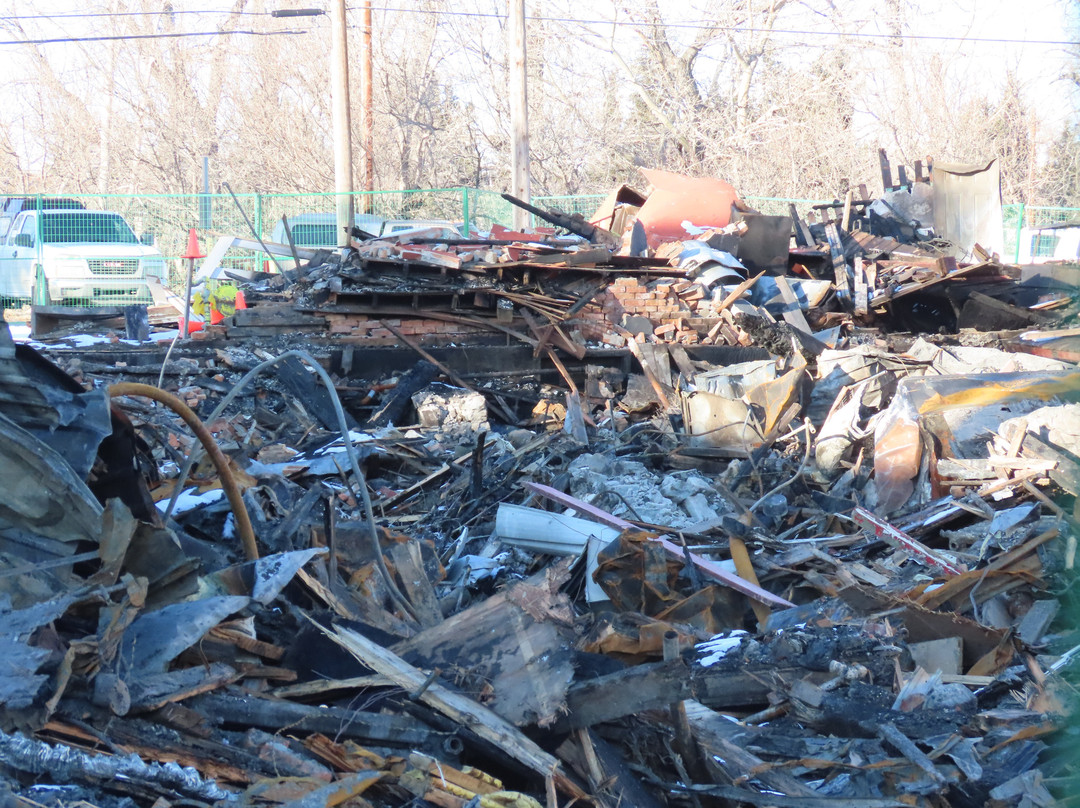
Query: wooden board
{"type": "Point", "coordinates": [839, 263]}
{"type": "Point", "coordinates": [457, 707]}
{"type": "Point", "coordinates": [513, 641]}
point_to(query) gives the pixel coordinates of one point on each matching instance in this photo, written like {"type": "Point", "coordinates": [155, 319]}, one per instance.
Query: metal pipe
{"type": "Point", "coordinates": [350, 450]}
{"type": "Point", "coordinates": [221, 463]}
{"type": "Point", "coordinates": [185, 332]}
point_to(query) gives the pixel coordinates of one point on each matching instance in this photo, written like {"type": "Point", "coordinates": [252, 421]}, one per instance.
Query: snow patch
{"type": "Point", "coordinates": [189, 500]}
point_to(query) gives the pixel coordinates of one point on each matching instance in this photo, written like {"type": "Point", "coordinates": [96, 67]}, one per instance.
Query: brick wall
{"type": "Point", "coordinates": [426, 331]}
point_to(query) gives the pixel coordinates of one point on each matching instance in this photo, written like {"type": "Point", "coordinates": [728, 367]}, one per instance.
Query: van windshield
{"type": "Point", "coordinates": [86, 228]}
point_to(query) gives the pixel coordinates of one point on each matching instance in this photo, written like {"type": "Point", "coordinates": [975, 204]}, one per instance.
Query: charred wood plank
{"type": "Point", "coordinates": [292, 373]}
{"type": "Point", "coordinates": [507, 413]}
{"type": "Point", "coordinates": [803, 238]}
{"type": "Point", "coordinates": [416, 586]}
{"type": "Point", "coordinates": [252, 711]}
{"type": "Point", "coordinates": [1066, 471]}
{"type": "Point", "coordinates": [656, 685]}
{"type": "Point", "coordinates": [719, 741]}
{"type": "Point", "coordinates": [399, 399]}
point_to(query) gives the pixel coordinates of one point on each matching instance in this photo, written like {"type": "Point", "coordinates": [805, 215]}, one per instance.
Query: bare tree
{"type": "Point", "coordinates": [718, 88]}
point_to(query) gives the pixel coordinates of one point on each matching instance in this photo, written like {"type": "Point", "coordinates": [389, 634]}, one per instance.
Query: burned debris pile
{"type": "Point", "coordinates": [720, 526]}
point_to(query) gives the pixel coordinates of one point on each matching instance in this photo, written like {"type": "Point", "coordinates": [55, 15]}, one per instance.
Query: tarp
{"type": "Point", "coordinates": [704, 202]}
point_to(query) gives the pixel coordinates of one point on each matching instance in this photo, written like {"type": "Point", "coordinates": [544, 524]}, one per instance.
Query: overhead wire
{"type": "Point", "coordinates": [690, 26]}
{"type": "Point", "coordinates": [88, 14]}
{"type": "Point", "coordinates": [693, 26]}
{"type": "Point", "coordinates": [67, 39]}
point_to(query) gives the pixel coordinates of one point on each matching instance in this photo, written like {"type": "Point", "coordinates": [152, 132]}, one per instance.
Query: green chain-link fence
{"type": "Point", "coordinates": [98, 249]}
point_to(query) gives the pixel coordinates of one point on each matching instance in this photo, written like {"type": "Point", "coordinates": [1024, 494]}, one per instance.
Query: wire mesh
{"type": "Point", "coordinates": [313, 217]}
{"type": "Point", "coordinates": [779, 206]}
{"type": "Point", "coordinates": [487, 208]}
{"type": "Point", "coordinates": [584, 204]}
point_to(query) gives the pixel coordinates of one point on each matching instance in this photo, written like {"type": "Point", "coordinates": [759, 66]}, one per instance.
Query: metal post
{"type": "Point", "coordinates": [204, 203]}
{"type": "Point", "coordinates": [465, 211]}
{"type": "Point", "coordinates": [519, 112]}
{"type": "Point", "coordinates": [367, 120]}
{"type": "Point", "coordinates": [187, 298]}
{"type": "Point", "coordinates": [339, 77]}
{"type": "Point", "coordinates": [39, 226]}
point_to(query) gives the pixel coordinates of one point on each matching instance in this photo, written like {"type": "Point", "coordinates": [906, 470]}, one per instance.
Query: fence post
{"type": "Point", "coordinates": [1019, 229]}
{"type": "Point", "coordinates": [39, 226]}
{"type": "Point", "coordinates": [465, 210]}
{"type": "Point", "coordinates": [260, 262]}
{"type": "Point", "coordinates": [257, 218]}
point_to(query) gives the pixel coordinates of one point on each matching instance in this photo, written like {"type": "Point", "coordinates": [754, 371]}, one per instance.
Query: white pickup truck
{"type": "Point", "coordinates": [90, 256]}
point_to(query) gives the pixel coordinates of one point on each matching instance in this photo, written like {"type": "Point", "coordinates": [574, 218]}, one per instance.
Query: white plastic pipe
{"type": "Point", "coordinates": [556, 534]}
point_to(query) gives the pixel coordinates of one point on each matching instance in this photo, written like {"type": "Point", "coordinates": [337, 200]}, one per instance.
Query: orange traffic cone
{"type": "Point", "coordinates": [193, 250]}
{"type": "Point", "coordinates": [216, 316]}
{"type": "Point", "coordinates": [240, 302]}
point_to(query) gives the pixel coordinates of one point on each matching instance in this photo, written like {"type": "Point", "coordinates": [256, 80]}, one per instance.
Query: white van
{"type": "Point", "coordinates": [83, 254]}
{"type": "Point", "coordinates": [320, 229]}
{"type": "Point", "coordinates": [1053, 242]}
{"type": "Point", "coordinates": [399, 227]}
{"type": "Point", "coordinates": [314, 230]}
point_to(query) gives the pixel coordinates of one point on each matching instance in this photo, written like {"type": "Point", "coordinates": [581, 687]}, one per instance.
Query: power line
{"type": "Point", "coordinates": [738, 29]}
{"type": "Point", "coordinates": [571, 20]}
{"type": "Point", "coordinates": [85, 14]}
{"type": "Point", "coordinates": [145, 36]}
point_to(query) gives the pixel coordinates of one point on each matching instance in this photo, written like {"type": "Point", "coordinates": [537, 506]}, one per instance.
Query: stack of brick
{"type": "Point", "coordinates": [675, 308]}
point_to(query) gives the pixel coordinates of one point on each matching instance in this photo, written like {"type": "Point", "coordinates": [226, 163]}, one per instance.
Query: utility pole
{"type": "Point", "coordinates": [519, 112]}
{"type": "Point", "coordinates": [339, 78]}
{"type": "Point", "coordinates": [367, 122]}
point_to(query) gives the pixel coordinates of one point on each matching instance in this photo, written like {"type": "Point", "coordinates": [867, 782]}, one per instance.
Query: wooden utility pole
{"type": "Point", "coordinates": [367, 123]}
{"type": "Point", "coordinates": [339, 78]}
{"type": "Point", "coordinates": [519, 112]}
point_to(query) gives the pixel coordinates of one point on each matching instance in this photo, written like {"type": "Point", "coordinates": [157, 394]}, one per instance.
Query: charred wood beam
{"type": "Point", "coordinates": [251, 711]}
{"type": "Point", "coordinates": [64, 764]}
{"type": "Point", "coordinates": [574, 224]}
{"type": "Point", "coordinates": [656, 685]}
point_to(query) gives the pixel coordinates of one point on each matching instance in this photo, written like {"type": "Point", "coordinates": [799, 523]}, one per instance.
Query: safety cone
{"type": "Point", "coordinates": [192, 253]}
{"type": "Point", "coordinates": [193, 249]}
{"type": "Point", "coordinates": [216, 316]}
{"type": "Point", "coordinates": [240, 302]}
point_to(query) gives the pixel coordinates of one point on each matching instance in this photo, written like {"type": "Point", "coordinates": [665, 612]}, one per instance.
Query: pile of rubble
{"type": "Point", "coordinates": [671, 267]}
{"type": "Point", "coordinates": [764, 553]}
